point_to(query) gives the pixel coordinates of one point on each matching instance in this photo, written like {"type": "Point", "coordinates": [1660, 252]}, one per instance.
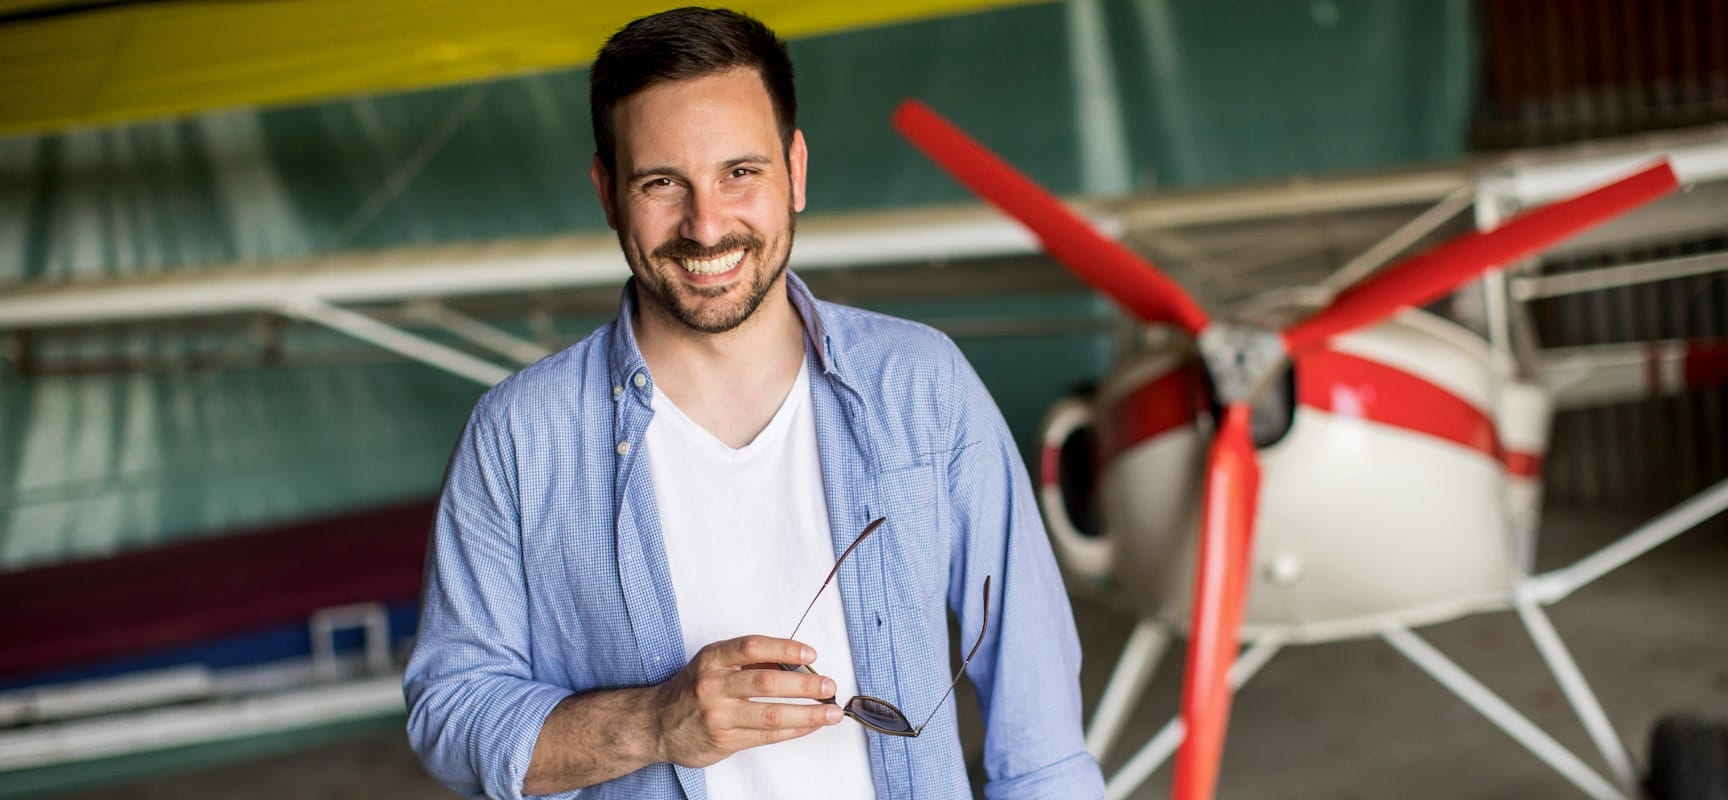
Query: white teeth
{"type": "Point", "coordinates": [712, 266]}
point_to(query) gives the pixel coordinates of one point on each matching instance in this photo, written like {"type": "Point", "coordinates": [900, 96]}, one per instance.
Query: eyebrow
{"type": "Point", "coordinates": [649, 172]}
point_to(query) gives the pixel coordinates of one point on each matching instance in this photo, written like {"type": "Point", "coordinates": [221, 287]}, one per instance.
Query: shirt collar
{"type": "Point", "coordinates": [626, 357]}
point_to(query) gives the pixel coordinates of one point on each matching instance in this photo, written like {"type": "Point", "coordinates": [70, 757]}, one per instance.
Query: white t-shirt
{"type": "Point", "coordinates": [748, 543]}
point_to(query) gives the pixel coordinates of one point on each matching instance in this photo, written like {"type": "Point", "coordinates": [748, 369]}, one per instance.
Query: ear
{"type": "Point", "coordinates": [797, 158]}
{"type": "Point", "coordinates": [603, 187]}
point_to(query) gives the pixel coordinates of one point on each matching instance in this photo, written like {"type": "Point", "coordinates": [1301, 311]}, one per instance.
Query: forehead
{"type": "Point", "coordinates": [712, 117]}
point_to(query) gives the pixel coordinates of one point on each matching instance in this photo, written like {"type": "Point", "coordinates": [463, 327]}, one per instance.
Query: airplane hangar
{"type": "Point", "coordinates": [258, 262]}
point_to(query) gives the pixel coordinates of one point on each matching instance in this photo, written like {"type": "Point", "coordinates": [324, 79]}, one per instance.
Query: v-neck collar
{"type": "Point", "coordinates": [774, 431]}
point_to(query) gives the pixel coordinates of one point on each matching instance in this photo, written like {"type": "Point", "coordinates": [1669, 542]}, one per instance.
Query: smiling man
{"type": "Point", "coordinates": [629, 526]}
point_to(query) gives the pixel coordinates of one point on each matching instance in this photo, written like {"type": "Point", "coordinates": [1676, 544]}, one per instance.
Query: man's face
{"type": "Point", "coordinates": [703, 196]}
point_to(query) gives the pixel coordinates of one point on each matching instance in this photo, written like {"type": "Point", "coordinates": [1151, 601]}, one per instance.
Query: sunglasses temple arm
{"type": "Point", "coordinates": [832, 572]}
{"type": "Point", "coordinates": [794, 633]}
{"type": "Point", "coordinates": [963, 664]}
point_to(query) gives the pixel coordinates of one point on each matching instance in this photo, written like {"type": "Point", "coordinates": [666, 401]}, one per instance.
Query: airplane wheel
{"type": "Point", "coordinates": [1689, 758]}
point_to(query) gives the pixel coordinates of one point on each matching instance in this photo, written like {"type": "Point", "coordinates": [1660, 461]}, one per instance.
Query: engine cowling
{"type": "Point", "coordinates": [1401, 490]}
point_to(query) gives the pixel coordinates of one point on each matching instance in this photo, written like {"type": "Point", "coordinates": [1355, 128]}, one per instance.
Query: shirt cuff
{"type": "Point", "coordinates": [532, 708]}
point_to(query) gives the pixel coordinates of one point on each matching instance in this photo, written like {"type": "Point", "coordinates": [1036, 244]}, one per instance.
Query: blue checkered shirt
{"type": "Point", "coordinates": [547, 575]}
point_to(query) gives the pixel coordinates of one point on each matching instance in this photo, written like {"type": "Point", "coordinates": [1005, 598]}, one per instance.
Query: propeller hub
{"type": "Point", "coordinates": [1242, 359]}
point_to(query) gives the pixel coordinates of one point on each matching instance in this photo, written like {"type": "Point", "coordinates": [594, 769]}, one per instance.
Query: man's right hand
{"type": "Point", "coordinates": [705, 713]}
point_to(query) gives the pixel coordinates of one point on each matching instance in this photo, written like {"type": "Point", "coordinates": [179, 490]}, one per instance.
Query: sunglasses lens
{"type": "Point", "coordinates": [879, 714]}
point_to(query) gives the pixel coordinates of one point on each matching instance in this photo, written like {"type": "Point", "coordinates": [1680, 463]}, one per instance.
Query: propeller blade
{"type": "Point", "coordinates": [1101, 262]}
{"type": "Point", "coordinates": [1220, 589]}
{"type": "Point", "coordinates": [1431, 275]}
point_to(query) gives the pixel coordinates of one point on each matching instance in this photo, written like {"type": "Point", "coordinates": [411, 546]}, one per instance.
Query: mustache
{"type": "Point", "coordinates": [687, 249]}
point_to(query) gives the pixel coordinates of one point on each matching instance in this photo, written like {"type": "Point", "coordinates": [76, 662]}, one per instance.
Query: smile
{"type": "Point", "coordinates": [712, 266]}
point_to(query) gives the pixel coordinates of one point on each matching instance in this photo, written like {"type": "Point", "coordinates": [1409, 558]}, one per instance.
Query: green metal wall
{"type": "Point", "coordinates": [1208, 94]}
{"type": "Point", "coordinates": [1204, 94]}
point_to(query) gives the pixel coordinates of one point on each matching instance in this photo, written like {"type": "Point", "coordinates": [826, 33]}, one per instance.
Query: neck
{"type": "Point", "coordinates": [731, 383]}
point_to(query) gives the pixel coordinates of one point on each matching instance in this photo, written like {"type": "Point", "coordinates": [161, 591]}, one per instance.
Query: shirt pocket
{"type": "Point", "coordinates": [916, 546]}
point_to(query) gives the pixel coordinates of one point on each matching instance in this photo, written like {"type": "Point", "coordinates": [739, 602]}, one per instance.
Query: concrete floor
{"type": "Point", "coordinates": [1343, 720]}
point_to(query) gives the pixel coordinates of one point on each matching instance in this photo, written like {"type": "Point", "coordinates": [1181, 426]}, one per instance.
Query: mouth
{"type": "Point", "coordinates": [712, 267]}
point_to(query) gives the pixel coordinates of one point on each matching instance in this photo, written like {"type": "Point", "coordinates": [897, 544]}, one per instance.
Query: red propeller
{"type": "Point", "coordinates": [1233, 468]}
{"type": "Point", "coordinates": [1433, 274]}
{"type": "Point", "coordinates": [1226, 539]}
{"type": "Point", "coordinates": [1099, 260]}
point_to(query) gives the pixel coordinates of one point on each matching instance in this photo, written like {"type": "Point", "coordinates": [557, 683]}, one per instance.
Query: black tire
{"type": "Point", "coordinates": [1689, 759]}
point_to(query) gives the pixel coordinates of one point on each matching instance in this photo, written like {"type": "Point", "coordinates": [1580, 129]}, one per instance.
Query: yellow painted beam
{"type": "Point", "coordinates": [165, 59]}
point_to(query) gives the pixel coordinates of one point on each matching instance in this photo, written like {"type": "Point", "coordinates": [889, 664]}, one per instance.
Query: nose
{"type": "Point", "coordinates": [705, 218]}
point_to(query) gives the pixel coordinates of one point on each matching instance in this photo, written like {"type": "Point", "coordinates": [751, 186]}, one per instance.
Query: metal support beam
{"type": "Point", "coordinates": [1576, 689]}
{"type": "Point", "coordinates": [395, 340]}
{"type": "Point", "coordinates": [199, 723]}
{"type": "Point", "coordinates": [1537, 287]}
{"type": "Point", "coordinates": [514, 348]}
{"type": "Point", "coordinates": [1296, 197]}
{"type": "Point", "coordinates": [1105, 166]}
{"type": "Point", "coordinates": [561, 262]}
{"type": "Point", "coordinates": [1493, 206]}
{"type": "Point", "coordinates": [1134, 669]}
{"type": "Point", "coordinates": [369, 618]}
{"type": "Point", "coordinates": [1503, 715]}
{"type": "Point", "coordinates": [1696, 157]}
{"type": "Point", "coordinates": [1400, 240]}
{"type": "Point", "coordinates": [1552, 587]}
{"type": "Point", "coordinates": [1161, 746]}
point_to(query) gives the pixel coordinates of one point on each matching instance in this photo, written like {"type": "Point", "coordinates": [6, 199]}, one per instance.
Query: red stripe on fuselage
{"type": "Point", "coordinates": [1171, 401]}
{"type": "Point", "coordinates": [1329, 381]}
{"type": "Point", "coordinates": [1351, 386]}
{"type": "Point", "coordinates": [1523, 465]}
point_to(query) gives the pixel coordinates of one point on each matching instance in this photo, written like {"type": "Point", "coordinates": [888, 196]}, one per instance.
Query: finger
{"type": "Point", "coordinates": [777, 683]}
{"type": "Point", "coordinates": [787, 716]}
{"type": "Point", "coordinates": [756, 649]}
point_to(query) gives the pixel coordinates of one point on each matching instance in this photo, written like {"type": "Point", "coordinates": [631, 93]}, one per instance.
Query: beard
{"type": "Point", "coordinates": [656, 278]}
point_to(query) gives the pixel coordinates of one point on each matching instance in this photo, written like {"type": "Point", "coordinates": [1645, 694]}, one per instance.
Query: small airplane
{"type": "Point", "coordinates": [1353, 465]}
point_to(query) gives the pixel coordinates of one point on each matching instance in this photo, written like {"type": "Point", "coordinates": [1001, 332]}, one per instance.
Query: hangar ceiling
{"type": "Point", "coordinates": [220, 210]}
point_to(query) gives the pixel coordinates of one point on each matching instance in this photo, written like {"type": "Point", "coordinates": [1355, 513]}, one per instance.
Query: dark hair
{"type": "Point", "coordinates": [680, 44]}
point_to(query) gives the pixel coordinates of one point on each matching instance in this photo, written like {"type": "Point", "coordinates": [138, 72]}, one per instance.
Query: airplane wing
{"type": "Point", "coordinates": [72, 62]}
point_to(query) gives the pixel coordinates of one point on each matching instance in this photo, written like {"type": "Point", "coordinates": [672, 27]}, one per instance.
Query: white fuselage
{"type": "Point", "coordinates": [1404, 491]}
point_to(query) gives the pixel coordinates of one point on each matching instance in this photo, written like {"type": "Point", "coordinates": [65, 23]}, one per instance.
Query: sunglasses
{"type": "Point", "coordinates": [873, 712]}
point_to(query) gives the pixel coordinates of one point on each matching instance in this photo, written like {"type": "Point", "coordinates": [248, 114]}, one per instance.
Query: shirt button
{"type": "Point", "coordinates": [617, 391]}
{"type": "Point", "coordinates": [641, 380]}
{"type": "Point", "coordinates": [623, 448]}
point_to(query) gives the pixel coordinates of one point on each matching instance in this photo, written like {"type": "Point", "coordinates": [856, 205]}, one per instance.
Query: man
{"type": "Point", "coordinates": [629, 526]}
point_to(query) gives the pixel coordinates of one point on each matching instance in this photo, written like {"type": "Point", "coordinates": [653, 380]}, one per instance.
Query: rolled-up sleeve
{"type": "Point", "coordinates": [474, 713]}
{"type": "Point", "coordinates": [1027, 672]}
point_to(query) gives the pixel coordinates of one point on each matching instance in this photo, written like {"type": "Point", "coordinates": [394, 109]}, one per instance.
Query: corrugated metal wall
{"type": "Point", "coordinates": [1567, 70]}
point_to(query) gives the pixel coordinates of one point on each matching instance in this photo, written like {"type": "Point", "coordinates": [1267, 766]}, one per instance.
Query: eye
{"type": "Point", "coordinates": [661, 187]}
{"type": "Point", "coordinates": [743, 172]}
